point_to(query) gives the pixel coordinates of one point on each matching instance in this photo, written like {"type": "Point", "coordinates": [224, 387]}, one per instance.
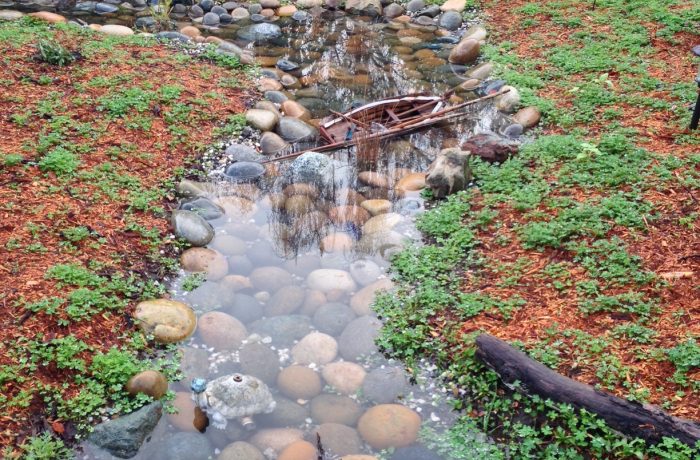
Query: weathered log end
{"type": "Point", "coordinates": [643, 421]}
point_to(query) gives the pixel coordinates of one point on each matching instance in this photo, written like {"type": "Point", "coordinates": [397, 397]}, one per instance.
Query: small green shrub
{"type": "Point", "coordinates": [54, 53]}
{"type": "Point", "coordinates": [45, 447]}
{"type": "Point", "coordinates": [60, 161]}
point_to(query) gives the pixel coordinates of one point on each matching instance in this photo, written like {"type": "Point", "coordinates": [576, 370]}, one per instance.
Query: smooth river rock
{"type": "Point", "coordinates": [168, 320]}
{"type": "Point", "coordinates": [240, 450]}
{"type": "Point", "coordinates": [389, 425]}
{"type": "Point", "coordinates": [192, 227]}
{"type": "Point", "coordinates": [385, 385]}
{"type": "Point", "coordinates": [299, 382]}
{"type": "Point", "coordinates": [316, 348]}
{"type": "Point", "coordinates": [264, 120]}
{"type": "Point", "coordinates": [151, 383]}
{"type": "Point", "coordinates": [357, 339]}
{"type": "Point", "coordinates": [339, 439]}
{"type": "Point", "coordinates": [327, 279]}
{"type": "Point", "coordinates": [211, 262]}
{"type": "Point", "coordinates": [122, 437]}
{"type": "Point", "coordinates": [344, 376]}
{"type": "Point", "coordinates": [221, 331]}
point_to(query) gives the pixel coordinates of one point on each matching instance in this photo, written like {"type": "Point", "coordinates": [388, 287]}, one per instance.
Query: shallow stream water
{"type": "Point", "coordinates": [299, 263]}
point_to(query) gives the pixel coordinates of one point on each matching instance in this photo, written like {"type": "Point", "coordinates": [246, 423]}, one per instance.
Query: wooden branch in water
{"type": "Point", "coordinates": [398, 130]}
{"type": "Point", "coordinates": [644, 421]}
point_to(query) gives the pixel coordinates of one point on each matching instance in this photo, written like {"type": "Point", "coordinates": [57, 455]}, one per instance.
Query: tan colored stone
{"type": "Point", "coordinates": [269, 84]}
{"type": "Point", "coordinates": [374, 179]}
{"type": "Point", "coordinates": [348, 214]}
{"type": "Point", "coordinates": [337, 242]}
{"type": "Point", "coordinates": [299, 382]}
{"type": "Point", "coordinates": [301, 189]}
{"type": "Point", "coordinates": [213, 39]}
{"type": "Point", "coordinates": [389, 425]}
{"type": "Point", "coordinates": [361, 302]}
{"type": "Point", "coordinates": [51, 18]}
{"type": "Point", "coordinates": [286, 11]}
{"type": "Point", "coordinates": [151, 383]}
{"type": "Point", "coordinates": [211, 262]}
{"type": "Point", "coordinates": [344, 376]}
{"type": "Point", "coordinates": [454, 5]}
{"type": "Point", "coordinates": [116, 30]}
{"type": "Point", "coordinates": [411, 183]}
{"type": "Point", "coordinates": [295, 110]}
{"type": "Point", "coordinates": [236, 282]}
{"type": "Point", "coordinates": [276, 439]}
{"type": "Point", "coordinates": [189, 417]}
{"type": "Point", "coordinates": [168, 320]}
{"type": "Point", "coordinates": [527, 116]}
{"type": "Point", "coordinates": [376, 207]}
{"type": "Point", "coordinates": [221, 331]}
{"type": "Point", "coordinates": [190, 31]}
{"type": "Point", "coordinates": [299, 450]}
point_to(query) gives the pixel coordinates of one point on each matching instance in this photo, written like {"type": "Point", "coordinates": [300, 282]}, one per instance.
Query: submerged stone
{"type": "Point", "coordinates": [122, 437]}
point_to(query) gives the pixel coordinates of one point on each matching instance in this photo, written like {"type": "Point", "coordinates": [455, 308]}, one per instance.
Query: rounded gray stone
{"type": "Point", "coordinates": [192, 227]}
{"type": "Point", "coordinates": [385, 385]}
{"type": "Point", "coordinates": [260, 361]}
{"type": "Point", "coordinates": [333, 318]}
{"type": "Point", "coordinates": [357, 339]}
{"type": "Point", "coordinates": [283, 330]}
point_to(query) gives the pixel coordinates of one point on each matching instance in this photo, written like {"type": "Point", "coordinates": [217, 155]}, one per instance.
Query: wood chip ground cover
{"type": "Point", "coordinates": [88, 154]}
{"type": "Point", "coordinates": [583, 249]}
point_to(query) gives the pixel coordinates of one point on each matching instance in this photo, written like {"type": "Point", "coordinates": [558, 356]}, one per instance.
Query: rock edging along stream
{"type": "Point", "coordinates": [253, 296]}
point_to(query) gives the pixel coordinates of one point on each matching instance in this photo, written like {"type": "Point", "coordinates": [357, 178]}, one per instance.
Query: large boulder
{"type": "Point", "coordinates": [449, 173]}
{"type": "Point", "coordinates": [122, 437]}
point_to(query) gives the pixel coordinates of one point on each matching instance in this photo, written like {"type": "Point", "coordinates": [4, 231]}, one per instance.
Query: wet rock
{"type": "Point", "coordinates": [311, 168]}
{"type": "Point", "coordinates": [271, 143]}
{"type": "Point", "coordinates": [169, 321]}
{"type": "Point", "coordinates": [382, 222]}
{"type": "Point", "coordinates": [481, 72]}
{"type": "Point", "coordinates": [211, 19]}
{"type": "Point", "coordinates": [241, 152]}
{"type": "Point", "coordinates": [240, 14]}
{"type": "Point", "coordinates": [190, 31]}
{"type": "Point", "coordinates": [301, 16]}
{"type": "Point", "coordinates": [277, 97]}
{"type": "Point", "coordinates": [449, 173]}
{"type": "Point", "coordinates": [299, 382]}
{"type": "Point", "coordinates": [295, 130]}
{"type": "Point", "coordinates": [365, 7]}
{"type": "Point", "coordinates": [51, 18]}
{"type": "Point", "coordinates": [205, 260]}
{"type": "Point", "coordinates": [527, 117]}
{"type": "Point", "coordinates": [245, 308]}
{"type": "Point", "coordinates": [374, 179]}
{"type": "Point", "coordinates": [509, 101]}
{"type": "Point", "coordinates": [187, 446]}
{"type": "Point", "coordinates": [352, 214]}
{"type": "Point", "coordinates": [365, 271]}
{"type": "Point", "coordinates": [333, 318]}
{"type": "Point", "coordinates": [383, 242]}
{"type": "Point", "coordinates": [270, 279]}
{"type": "Point", "coordinates": [362, 301]}
{"type": "Point", "coordinates": [328, 408]}
{"type": "Point", "coordinates": [299, 450]}
{"type": "Point", "coordinates": [326, 280]}
{"type": "Point", "coordinates": [276, 439]}
{"type": "Point", "coordinates": [286, 413]}
{"type": "Point", "coordinates": [188, 416]}
{"type": "Point", "coordinates": [296, 110]}
{"type": "Point", "coordinates": [291, 82]}
{"type": "Point", "coordinates": [203, 206]}
{"type": "Point", "coordinates": [285, 301]}
{"type": "Point", "coordinates": [259, 32]}
{"type": "Point", "coordinates": [389, 425]}
{"type": "Point", "coordinates": [240, 450]}
{"type": "Point", "coordinates": [229, 245]}
{"type": "Point", "coordinates": [465, 52]}
{"type": "Point", "coordinates": [270, 3]}
{"type": "Point", "coordinates": [242, 171]}
{"type": "Point", "coordinates": [122, 437]}
{"type": "Point", "coordinates": [283, 330]}
{"type": "Point", "coordinates": [376, 207]}
{"type": "Point", "coordinates": [194, 364]}
{"type": "Point", "coordinates": [450, 20]}
{"type": "Point", "coordinates": [151, 383]}
{"type": "Point", "coordinates": [298, 205]}
{"type": "Point", "coordinates": [357, 339]}
{"type": "Point", "coordinates": [411, 183]}
{"type": "Point", "coordinates": [490, 147]}
{"type": "Point", "coordinates": [221, 331]}
{"type": "Point", "coordinates": [190, 189]}
{"type": "Point", "coordinates": [172, 35]}
{"type": "Point", "coordinates": [336, 242]}
{"type": "Point", "coordinates": [415, 452]}
{"type": "Point", "coordinates": [345, 377]}
{"type": "Point", "coordinates": [385, 385]}
{"type": "Point", "coordinates": [287, 65]}
{"type": "Point", "coordinates": [192, 227]}
{"type": "Point", "coordinates": [339, 439]}
{"type": "Point", "coordinates": [264, 120]}
{"type": "Point", "coordinates": [316, 348]}
{"type": "Point", "coordinates": [260, 361]}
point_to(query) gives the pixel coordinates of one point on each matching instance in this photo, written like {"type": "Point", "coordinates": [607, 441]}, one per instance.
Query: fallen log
{"type": "Point", "coordinates": [643, 421]}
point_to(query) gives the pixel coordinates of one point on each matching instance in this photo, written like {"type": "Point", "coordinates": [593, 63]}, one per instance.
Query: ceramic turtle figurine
{"type": "Point", "coordinates": [234, 396]}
